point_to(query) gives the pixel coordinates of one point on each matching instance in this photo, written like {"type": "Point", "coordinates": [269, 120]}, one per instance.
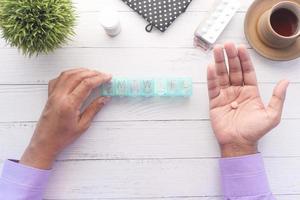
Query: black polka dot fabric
{"type": "Point", "coordinates": [159, 13]}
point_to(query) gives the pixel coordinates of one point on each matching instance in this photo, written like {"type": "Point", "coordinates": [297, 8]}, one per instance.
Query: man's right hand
{"type": "Point", "coordinates": [238, 116]}
{"type": "Point", "coordinates": [61, 122]}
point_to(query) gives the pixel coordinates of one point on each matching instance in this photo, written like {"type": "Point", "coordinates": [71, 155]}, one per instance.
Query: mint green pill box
{"type": "Point", "coordinates": [149, 87]}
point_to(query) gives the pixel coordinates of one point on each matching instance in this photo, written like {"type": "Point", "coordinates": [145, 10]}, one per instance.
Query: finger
{"type": "Point", "coordinates": [221, 67]}
{"type": "Point", "coordinates": [76, 78]}
{"type": "Point", "coordinates": [88, 115]}
{"type": "Point", "coordinates": [64, 76]}
{"type": "Point", "coordinates": [212, 82]}
{"type": "Point", "coordinates": [51, 86]}
{"type": "Point", "coordinates": [84, 89]}
{"type": "Point", "coordinates": [275, 106]}
{"type": "Point", "coordinates": [235, 69]}
{"type": "Point", "coordinates": [69, 72]}
{"type": "Point", "coordinates": [247, 67]}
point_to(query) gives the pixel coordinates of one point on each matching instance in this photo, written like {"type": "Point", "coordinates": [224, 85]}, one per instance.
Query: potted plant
{"type": "Point", "coordinates": [37, 26]}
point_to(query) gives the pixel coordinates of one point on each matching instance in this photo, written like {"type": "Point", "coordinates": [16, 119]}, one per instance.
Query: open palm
{"type": "Point", "coordinates": [237, 113]}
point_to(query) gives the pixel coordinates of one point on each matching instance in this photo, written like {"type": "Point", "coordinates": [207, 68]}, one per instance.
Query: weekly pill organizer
{"type": "Point", "coordinates": [148, 87]}
{"type": "Point", "coordinates": [211, 28]}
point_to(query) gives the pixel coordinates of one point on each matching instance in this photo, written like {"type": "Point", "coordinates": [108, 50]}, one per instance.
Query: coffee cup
{"type": "Point", "coordinates": [279, 27]}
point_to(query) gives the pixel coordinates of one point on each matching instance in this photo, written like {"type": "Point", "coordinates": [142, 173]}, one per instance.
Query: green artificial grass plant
{"type": "Point", "coordinates": [37, 26]}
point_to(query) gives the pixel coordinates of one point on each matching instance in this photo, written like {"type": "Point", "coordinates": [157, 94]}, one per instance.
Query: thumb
{"type": "Point", "coordinates": [275, 106]}
{"type": "Point", "coordinates": [51, 86]}
{"type": "Point", "coordinates": [90, 112]}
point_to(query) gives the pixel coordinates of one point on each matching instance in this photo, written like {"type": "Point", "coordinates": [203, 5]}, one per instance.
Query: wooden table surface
{"type": "Point", "coordinates": [144, 148]}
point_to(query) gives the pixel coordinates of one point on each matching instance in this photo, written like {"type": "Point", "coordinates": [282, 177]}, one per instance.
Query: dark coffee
{"type": "Point", "coordinates": [284, 22]}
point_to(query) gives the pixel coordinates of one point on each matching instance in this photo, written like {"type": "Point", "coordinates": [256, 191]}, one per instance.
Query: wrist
{"type": "Point", "coordinates": [33, 157]}
{"type": "Point", "coordinates": [237, 150]}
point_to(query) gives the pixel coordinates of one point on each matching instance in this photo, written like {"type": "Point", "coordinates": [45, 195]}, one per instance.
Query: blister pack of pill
{"type": "Point", "coordinates": [212, 27]}
{"type": "Point", "coordinates": [148, 87]}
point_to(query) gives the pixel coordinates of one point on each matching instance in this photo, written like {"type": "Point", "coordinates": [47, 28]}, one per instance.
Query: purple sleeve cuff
{"type": "Point", "coordinates": [244, 176]}
{"type": "Point", "coordinates": [25, 175]}
{"type": "Point", "coordinates": [22, 182]}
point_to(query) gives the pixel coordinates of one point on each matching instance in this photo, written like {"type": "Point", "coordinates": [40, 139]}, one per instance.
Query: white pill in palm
{"type": "Point", "coordinates": [234, 105]}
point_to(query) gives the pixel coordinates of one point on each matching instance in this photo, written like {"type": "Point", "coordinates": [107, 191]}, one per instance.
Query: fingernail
{"type": "Point", "coordinates": [288, 82]}
{"type": "Point", "coordinates": [108, 76]}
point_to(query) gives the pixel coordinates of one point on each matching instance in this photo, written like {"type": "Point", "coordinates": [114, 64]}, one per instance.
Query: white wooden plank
{"type": "Point", "coordinates": [287, 197]}
{"type": "Point", "coordinates": [148, 140]}
{"type": "Point", "coordinates": [25, 103]}
{"type": "Point", "coordinates": [97, 5]}
{"type": "Point", "coordinates": [152, 198]}
{"type": "Point", "coordinates": [157, 178]}
{"type": "Point", "coordinates": [154, 178]}
{"type": "Point", "coordinates": [89, 32]}
{"type": "Point", "coordinates": [88, 12]}
{"type": "Point", "coordinates": [161, 178]}
{"type": "Point", "coordinates": [130, 62]}
{"type": "Point", "coordinates": [278, 197]}
{"type": "Point", "coordinates": [180, 34]}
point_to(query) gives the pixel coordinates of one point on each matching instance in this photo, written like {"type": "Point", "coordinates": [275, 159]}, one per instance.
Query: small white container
{"type": "Point", "coordinates": [110, 21]}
